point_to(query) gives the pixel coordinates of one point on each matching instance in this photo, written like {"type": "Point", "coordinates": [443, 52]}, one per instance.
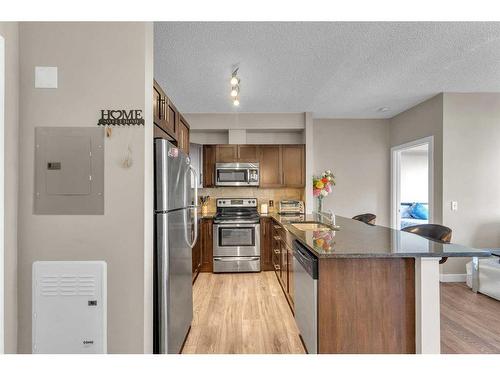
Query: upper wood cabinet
{"type": "Point", "coordinates": [226, 153]}
{"type": "Point", "coordinates": [271, 175]}
{"type": "Point", "coordinates": [248, 153]}
{"type": "Point", "coordinates": [280, 165]}
{"type": "Point", "coordinates": [172, 119]}
{"type": "Point", "coordinates": [157, 107]}
{"type": "Point", "coordinates": [237, 154]}
{"type": "Point", "coordinates": [293, 161]}
{"type": "Point", "coordinates": [169, 122]}
{"type": "Point", "coordinates": [183, 135]}
{"type": "Point", "coordinates": [209, 152]}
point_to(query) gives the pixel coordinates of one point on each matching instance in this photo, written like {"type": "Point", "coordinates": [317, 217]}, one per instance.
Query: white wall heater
{"type": "Point", "coordinates": [69, 307]}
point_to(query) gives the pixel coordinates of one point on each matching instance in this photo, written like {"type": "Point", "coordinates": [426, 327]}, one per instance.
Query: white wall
{"type": "Point", "coordinates": [471, 173]}
{"type": "Point", "coordinates": [101, 66]}
{"type": "Point", "coordinates": [9, 30]}
{"type": "Point", "coordinates": [2, 189]}
{"type": "Point", "coordinates": [357, 151]}
{"type": "Point", "coordinates": [414, 176]}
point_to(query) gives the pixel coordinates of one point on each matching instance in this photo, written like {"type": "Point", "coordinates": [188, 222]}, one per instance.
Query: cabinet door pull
{"type": "Point", "coordinates": [276, 267]}
{"type": "Point", "coordinates": [276, 251]}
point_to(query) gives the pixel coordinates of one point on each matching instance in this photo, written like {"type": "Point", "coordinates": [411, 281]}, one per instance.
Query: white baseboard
{"type": "Point", "coordinates": [453, 277]}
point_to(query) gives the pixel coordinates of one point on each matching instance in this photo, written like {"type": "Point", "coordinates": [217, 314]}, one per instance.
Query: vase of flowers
{"type": "Point", "coordinates": [322, 186]}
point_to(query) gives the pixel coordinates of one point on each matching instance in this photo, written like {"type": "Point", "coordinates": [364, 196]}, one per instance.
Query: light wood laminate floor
{"type": "Point", "coordinates": [241, 313]}
{"type": "Point", "coordinates": [248, 313]}
{"type": "Point", "coordinates": [470, 322]}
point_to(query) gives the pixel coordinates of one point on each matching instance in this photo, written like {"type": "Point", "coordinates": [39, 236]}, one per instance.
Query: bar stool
{"type": "Point", "coordinates": [431, 231]}
{"type": "Point", "coordinates": [434, 232]}
{"type": "Point", "coordinates": [366, 218]}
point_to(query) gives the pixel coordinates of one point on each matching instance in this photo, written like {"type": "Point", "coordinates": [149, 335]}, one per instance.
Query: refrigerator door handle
{"type": "Point", "coordinates": [194, 208]}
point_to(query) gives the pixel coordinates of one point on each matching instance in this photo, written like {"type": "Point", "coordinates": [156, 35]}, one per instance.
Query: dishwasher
{"type": "Point", "coordinates": [306, 295]}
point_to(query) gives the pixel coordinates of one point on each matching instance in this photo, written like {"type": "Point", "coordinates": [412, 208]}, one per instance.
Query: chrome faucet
{"type": "Point", "coordinates": [332, 217]}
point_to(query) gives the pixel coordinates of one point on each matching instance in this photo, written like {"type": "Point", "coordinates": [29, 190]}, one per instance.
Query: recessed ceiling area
{"type": "Point", "coordinates": [332, 69]}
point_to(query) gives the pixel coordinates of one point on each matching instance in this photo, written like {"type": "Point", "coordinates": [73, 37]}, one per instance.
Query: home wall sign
{"type": "Point", "coordinates": [121, 117]}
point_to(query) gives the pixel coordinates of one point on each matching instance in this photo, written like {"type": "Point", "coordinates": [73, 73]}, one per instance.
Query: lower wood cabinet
{"type": "Point", "coordinates": [266, 252]}
{"type": "Point", "coordinates": [197, 254]}
{"type": "Point", "coordinates": [283, 260]}
{"type": "Point", "coordinates": [206, 242]}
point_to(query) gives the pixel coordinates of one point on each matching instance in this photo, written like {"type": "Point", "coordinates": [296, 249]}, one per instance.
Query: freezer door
{"type": "Point", "coordinates": [172, 177]}
{"type": "Point", "coordinates": [174, 291]}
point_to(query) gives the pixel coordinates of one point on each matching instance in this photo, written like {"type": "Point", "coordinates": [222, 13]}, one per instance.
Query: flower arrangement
{"type": "Point", "coordinates": [322, 186]}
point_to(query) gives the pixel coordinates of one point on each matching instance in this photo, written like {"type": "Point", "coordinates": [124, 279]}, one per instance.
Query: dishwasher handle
{"type": "Point", "coordinates": [306, 259]}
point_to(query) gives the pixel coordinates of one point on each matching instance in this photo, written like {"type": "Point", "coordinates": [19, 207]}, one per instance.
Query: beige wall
{"type": "Point", "coordinates": [251, 128]}
{"type": "Point", "coordinates": [10, 31]}
{"type": "Point", "coordinates": [471, 175]}
{"type": "Point", "coordinates": [357, 151]}
{"type": "Point", "coordinates": [101, 65]}
{"type": "Point", "coordinates": [424, 120]}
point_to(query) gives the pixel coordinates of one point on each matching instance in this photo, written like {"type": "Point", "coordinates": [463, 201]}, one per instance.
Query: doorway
{"type": "Point", "coordinates": [412, 183]}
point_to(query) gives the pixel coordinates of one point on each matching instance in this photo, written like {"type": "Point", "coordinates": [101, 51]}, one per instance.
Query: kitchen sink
{"type": "Point", "coordinates": [310, 226]}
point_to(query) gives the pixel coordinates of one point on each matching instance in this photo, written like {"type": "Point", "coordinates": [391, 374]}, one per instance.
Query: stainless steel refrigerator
{"type": "Point", "coordinates": [176, 224]}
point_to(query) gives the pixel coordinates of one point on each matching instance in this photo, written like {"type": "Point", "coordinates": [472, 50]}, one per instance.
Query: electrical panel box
{"type": "Point", "coordinates": [69, 307]}
{"type": "Point", "coordinates": [69, 171]}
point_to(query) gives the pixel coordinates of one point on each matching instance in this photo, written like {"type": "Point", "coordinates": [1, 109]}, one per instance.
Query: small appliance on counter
{"type": "Point", "coordinates": [264, 209]}
{"type": "Point", "coordinates": [291, 207]}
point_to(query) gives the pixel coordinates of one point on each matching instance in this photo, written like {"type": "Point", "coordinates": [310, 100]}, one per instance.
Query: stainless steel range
{"type": "Point", "coordinates": [236, 235]}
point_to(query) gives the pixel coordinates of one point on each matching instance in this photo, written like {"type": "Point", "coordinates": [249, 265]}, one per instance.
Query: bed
{"type": "Point", "coordinates": [408, 219]}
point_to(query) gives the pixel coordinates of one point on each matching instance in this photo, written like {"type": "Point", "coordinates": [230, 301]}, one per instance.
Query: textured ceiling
{"type": "Point", "coordinates": [333, 69]}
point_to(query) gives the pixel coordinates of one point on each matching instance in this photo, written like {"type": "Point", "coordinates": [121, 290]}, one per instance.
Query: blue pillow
{"type": "Point", "coordinates": [419, 211]}
{"type": "Point", "coordinates": [405, 211]}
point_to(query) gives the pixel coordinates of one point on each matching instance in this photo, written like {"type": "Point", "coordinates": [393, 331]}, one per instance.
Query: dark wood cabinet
{"type": "Point", "coordinates": [157, 106]}
{"type": "Point", "coordinates": [209, 152]}
{"type": "Point", "coordinates": [266, 251]}
{"type": "Point", "coordinates": [282, 258]}
{"type": "Point", "coordinates": [197, 254]}
{"type": "Point", "coordinates": [206, 245]}
{"type": "Point", "coordinates": [226, 153]}
{"type": "Point", "coordinates": [183, 135]}
{"type": "Point", "coordinates": [270, 166]}
{"type": "Point", "coordinates": [169, 124]}
{"type": "Point", "coordinates": [172, 119]}
{"type": "Point", "coordinates": [237, 153]}
{"type": "Point", "coordinates": [293, 164]}
{"type": "Point", "coordinates": [248, 153]}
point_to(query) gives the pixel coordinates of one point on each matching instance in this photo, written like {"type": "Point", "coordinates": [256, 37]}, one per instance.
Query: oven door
{"type": "Point", "coordinates": [235, 240]}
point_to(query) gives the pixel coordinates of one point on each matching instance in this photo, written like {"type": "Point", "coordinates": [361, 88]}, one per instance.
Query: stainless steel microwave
{"type": "Point", "coordinates": [237, 174]}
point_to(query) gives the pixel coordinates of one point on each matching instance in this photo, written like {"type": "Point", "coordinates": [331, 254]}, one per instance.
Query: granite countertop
{"type": "Point", "coordinates": [355, 239]}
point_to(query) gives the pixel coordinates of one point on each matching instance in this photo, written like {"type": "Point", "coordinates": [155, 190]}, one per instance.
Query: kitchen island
{"type": "Point", "coordinates": [377, 288]}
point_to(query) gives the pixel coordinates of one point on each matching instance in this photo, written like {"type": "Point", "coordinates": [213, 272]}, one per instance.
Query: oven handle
{"type": "Point", "coordinates": [238, 225]}
{"type": "Point", "coordinates": [232, 259]}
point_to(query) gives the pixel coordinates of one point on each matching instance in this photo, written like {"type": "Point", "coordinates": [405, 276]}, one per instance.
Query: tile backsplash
{"type": "Point", "coordinates": [262, 195]}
